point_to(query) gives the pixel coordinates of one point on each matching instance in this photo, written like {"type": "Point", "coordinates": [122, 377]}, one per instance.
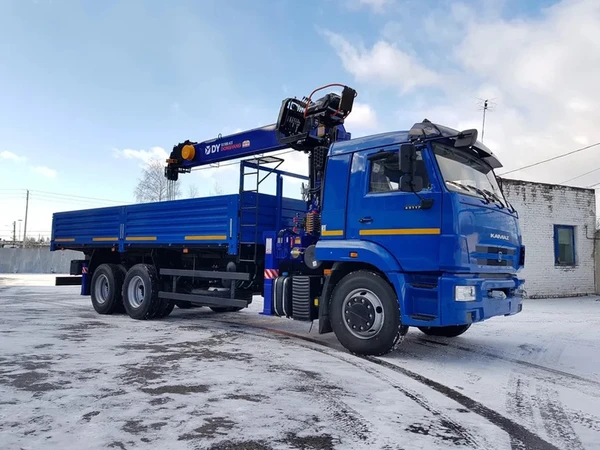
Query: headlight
{"type": "Point", "coordinates": [464, 293]}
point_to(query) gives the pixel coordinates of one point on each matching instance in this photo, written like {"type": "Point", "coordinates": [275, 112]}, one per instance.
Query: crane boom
{"type": "Point", "coordinates": [302, 125]}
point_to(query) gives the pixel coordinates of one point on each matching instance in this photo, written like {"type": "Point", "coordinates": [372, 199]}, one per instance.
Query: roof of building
{"type": "Point", "coordinates": [545, 185]}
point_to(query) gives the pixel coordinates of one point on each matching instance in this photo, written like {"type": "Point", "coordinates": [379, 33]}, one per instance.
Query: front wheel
{"type": "Point", "coordinates": [450, 331]}
{"type": "Point", "coordinates": [365, 315]}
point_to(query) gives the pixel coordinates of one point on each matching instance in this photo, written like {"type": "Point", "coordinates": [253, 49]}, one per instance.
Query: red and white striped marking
{"type": "Point", "coordinates": [271, 273]}
{"type": "Point", "coordinates": [84, 270]}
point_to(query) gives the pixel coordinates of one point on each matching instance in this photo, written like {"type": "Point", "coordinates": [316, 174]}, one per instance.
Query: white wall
{"type": "Point", "coordinates": [540, 207]}
{"type": "Point", "coordinates": [36, 260]}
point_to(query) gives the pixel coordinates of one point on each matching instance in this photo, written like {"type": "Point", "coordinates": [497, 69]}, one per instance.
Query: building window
{"type": "Point", "coordinates": [564, 245]}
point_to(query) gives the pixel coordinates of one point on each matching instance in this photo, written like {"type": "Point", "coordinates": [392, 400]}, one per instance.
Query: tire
{"type": "Point", "coordinates": [166, 309]}
{"type": "Point", "coordinates": [376, 308]}
{"type": "Point", "coordinates": [123, 270]}
{"type": "Point", "coordinates": [140, 292]}
{"type": "Point", "coordinates": [105, 289]}
{"type": "Point", "coordinates": [183, 304]}
{"type": "Point", "coordinates": [223, 309]}
{"type": "Point", "coordinates": [450, 332]}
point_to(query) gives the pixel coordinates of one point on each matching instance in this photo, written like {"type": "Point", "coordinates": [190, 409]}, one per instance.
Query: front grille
{"type": "Point", "coordinates": [495, 249]}
{"type": "Point", "coordinates": [494, 256]}
{"type": "Point", "coordinates": [494, 262]}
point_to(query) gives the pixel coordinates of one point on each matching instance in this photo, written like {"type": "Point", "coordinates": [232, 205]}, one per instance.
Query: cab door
{"type": "Point", "coordinates": [401, 222]}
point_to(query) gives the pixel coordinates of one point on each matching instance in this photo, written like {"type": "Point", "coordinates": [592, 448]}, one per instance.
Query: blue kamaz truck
{"type": "Point", "coordinates": [400, 229]}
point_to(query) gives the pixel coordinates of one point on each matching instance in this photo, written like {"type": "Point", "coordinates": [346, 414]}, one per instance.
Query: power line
{"type": "Point", "coordinates": [70, 201]}
{"type": "Point", "coordinates": [57, 194]}
{"type": "Point", "coordinates": [22, 192]}
{"type": "Point", "coordinates": [551, 159]}
{"type": "Point", "coordinates": [579, 176]}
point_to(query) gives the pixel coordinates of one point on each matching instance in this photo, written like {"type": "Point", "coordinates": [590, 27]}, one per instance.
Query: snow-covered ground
{"type": "Point", "coordinates": [70, 378]}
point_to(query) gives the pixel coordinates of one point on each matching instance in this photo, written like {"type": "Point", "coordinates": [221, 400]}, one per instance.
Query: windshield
{"type": "Point", "coordinates": [467, 174]}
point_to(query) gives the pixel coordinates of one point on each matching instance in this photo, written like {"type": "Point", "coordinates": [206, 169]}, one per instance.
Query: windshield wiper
{"type": "Point", "coordinates": [511, 208]}
{"type": "Point", "coordinates": [459, 185]}
{"type": "Point", "coordinates": [494, 196]}
{"type": "Point", "coordinates": [479, 191]}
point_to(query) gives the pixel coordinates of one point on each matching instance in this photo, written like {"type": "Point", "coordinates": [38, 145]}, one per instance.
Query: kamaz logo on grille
{"type": "Point", "coordinates": [500, 236]}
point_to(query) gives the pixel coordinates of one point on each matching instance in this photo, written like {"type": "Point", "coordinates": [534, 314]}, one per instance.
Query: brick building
{"type": "Point", "coordinates": [558, 224]}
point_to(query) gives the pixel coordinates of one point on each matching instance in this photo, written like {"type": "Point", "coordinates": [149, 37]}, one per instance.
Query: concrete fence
{"type": "Point", "coordinates": [36, 260]}
{"type": "Point", "coordinates": [597, 260]}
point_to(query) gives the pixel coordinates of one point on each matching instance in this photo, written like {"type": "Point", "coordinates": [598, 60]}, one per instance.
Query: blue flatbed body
{"type": "Point", "coordinates": [224, 221]}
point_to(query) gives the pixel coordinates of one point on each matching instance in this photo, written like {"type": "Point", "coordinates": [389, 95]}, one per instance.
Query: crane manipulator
{"type": "Point", "coordinates": [303, 124]}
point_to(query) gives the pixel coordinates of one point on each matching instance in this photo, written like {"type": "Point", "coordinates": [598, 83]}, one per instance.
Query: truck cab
{"type": "Point", "coordinates": [424, 214]}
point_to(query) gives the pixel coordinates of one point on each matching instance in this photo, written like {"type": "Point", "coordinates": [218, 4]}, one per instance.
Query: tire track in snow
{"type": "Point", "coordinates": [527, 439]}
{"type": "Point", "coordinates": [589, 421]}
{"type": "Point", "coordinates": [544, 400]}
{"type": "Point", "coordinates": [447, 429]}
{"type": "Point", "coordinates": [526, 401]}
{"type": "Point", "coordinates": [595, 384]}
{"type": "Point", "coordinates": [446, 422]}
{"type": "Point", "coordinates": [556, 421]}
{"type": "Point", "coordinates": [519, 404]}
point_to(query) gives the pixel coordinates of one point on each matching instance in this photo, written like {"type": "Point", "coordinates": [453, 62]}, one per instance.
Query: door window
{"type": "Point", "coordinates": [385, 173]}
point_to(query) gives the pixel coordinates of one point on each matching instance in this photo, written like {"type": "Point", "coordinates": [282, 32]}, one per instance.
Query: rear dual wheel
{"type": "Point", "coordinates": [105, 289]}
{"type": "Point", "coordinates": [183, 304]}
{"type": "Point", "coordinates": [140, 294]}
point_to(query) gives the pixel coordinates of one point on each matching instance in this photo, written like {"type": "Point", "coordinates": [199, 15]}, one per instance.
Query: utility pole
{"type": "Point", "coordinates": [25, 225]}
{"type": "Point", "coordinates": [14, 232]}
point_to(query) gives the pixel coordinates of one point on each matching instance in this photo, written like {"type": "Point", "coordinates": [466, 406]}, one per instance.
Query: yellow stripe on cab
{"type": "Point", "coordinates": [399, 231]}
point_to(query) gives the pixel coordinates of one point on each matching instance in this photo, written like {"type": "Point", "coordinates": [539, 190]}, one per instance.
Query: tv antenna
{"type": "Point", "coordinates": [485, 105]}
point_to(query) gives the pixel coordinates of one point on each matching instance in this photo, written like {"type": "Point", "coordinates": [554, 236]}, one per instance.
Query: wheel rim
{"type": "Point", "coordinates": [101, 289]}
{"type": "Point", "coordinates": [135, 291]}
{"type": "Point", "coordinates": [363, 313]}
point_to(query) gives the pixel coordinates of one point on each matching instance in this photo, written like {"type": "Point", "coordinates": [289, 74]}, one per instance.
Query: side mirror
{"type": "Point", "coordinates": [411, 183]}
{"type": "Point", "coordinates": [466, 138]}
{"type": "Point", "coordinates": [408, 155]}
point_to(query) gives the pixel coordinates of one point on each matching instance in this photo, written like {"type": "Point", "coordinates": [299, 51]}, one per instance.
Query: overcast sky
{"type": "Point", "coordinates": [91, 89]}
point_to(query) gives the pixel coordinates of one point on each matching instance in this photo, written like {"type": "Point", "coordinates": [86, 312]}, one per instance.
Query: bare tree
{"type": "Point", "coordinates": [216, 189]}
{"type": "Point", "coordinates": [193, 191]}
{"type": "Point", "coordinates": [153, 186]}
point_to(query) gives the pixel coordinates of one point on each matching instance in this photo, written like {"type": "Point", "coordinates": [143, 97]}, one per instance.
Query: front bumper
{"type": "Point", "coordinates": [493, 297]}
